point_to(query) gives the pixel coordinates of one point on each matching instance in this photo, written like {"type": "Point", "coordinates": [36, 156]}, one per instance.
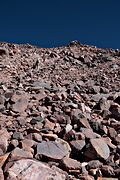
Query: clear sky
{"type": "Point", "coordinates": [52, 23]}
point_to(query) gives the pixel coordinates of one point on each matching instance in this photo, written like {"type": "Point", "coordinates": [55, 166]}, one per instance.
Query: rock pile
{"type": "Point", "coordinates": [59, 113]}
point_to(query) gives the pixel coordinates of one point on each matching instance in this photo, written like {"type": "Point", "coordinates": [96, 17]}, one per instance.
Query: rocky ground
{"type": "Point", "coordinates": [59, 113]}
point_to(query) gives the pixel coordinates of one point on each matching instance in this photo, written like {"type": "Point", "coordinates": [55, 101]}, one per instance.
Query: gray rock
{"type": "Point", "coordinates": [35, 120]}
{"type": "Point", "coordinates": [18, 136]}
{"type": "Point", "coordinates": [52, 150]}
{"type": "Point", "coordinates": [94, 164]}
{"type": "Point", "coordinates": [20, 105]}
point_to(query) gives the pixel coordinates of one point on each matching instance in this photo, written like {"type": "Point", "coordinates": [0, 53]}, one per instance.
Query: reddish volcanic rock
{"type": "Point", "coordinates": [60, 106]}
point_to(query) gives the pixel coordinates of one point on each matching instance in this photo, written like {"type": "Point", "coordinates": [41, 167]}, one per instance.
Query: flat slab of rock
{"type": "Point", "coordinates": [97, 149]}
{"type": "Point", "coordinates": [52, 150]}
{"type": "Point", "coordinates": [20, 105]}
{"type": "Point", "coordinates": [27, 169]}
{"type": "Point", "coordinates": [101, 148]}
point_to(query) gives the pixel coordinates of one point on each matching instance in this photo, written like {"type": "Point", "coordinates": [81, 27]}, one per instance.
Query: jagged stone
{"type": "Point", "coordinates": [27, 169]}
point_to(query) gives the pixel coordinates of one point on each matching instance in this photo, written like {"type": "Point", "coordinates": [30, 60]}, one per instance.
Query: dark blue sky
{"type": "Point", "coordinates": [51, 23]}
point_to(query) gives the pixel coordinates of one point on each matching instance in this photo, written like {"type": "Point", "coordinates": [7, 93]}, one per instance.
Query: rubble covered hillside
{"type": "Point", "coordinates": [59, 113]}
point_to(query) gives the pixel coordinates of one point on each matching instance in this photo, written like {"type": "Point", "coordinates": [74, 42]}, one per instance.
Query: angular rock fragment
{"type": "Point", "coordinates": [77, 145]}
{"type": "Point", "coordinates": [27, 145]}
{"type": "Point", "coordinates": [20, 105]}
{"type": "Point", "coordinates": [51, 150]}
{"type": "Point", "coordinates": [27, 169]}
{"type": "Point", "coordinates": [70, 164]}
{"type": "Point", "coordinates": [97, 149]}
{"type": "Point", "coordinates": [18, 136]}
{"type": "Point", "coordinates": [94, 164]}
{"type": "Point", "coordinates": [84, 122]}
{"type": "Point", "coordinates": [89, 134]}
{"type": "Point", "coordinates": [37, 137]}
{"type": "Point", "coordinates": [49, 125]}
{"type": "Point", "coordinates": [18, 153]}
